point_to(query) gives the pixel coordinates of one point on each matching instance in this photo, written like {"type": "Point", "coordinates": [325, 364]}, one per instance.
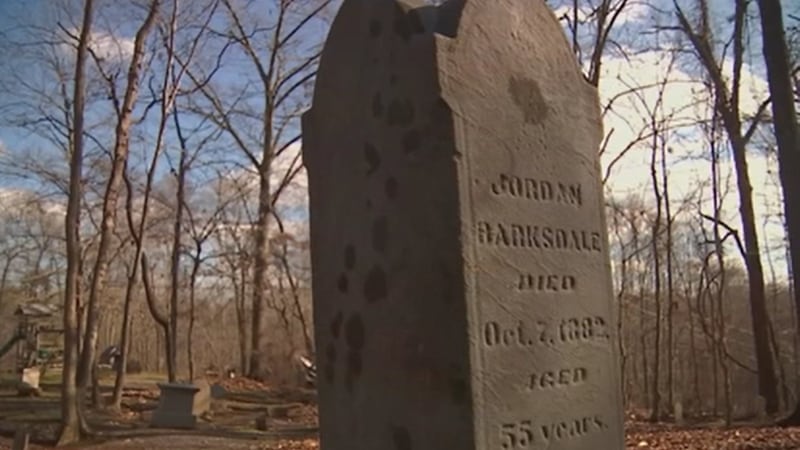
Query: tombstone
{"type": "Point", "coordinates": [180, 404]}
{"type": "Point", "coordinates": [21, 439]}
{"type": "Point", "coordinates": [217, 391]}
{"type": "Point", "coordinates": [461, 277]}
{"type": "Point", "coordinates": [30, 376]}
{"type": "Point", "coordinates": [29, 382]}
{"type": "Point", "coordinates": [677, 412]}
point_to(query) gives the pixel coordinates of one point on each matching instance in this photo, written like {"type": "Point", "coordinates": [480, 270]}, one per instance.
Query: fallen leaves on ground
{"type": "Point", "coordinates": [240, 384]}
{"type": "Point", "coordinates": [744, 438]}
{"type": "Point", "coordinates": [639, 437]}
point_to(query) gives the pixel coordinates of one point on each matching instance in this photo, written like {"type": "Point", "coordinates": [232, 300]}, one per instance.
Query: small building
{"type": "Point", "coordinates": [38, 334]}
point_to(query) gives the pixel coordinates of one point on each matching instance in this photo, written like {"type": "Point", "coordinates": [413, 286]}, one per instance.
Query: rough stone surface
{"type": "Point", "coordinates": [179, 405]}
{"type": "Point", "coordinates": [462, 288]}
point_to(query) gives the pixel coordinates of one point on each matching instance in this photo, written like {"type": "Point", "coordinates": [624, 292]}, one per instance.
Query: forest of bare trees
{"type": "Point", "coordinates": [152, 187]}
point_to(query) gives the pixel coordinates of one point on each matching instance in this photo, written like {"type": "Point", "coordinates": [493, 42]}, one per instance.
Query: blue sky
{"type": "Point", "coordinates": [633, 34]}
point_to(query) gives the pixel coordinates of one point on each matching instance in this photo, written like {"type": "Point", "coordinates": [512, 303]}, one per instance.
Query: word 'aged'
{"type": "Point", "coordinates": [538, 237]}
{"type": "Point", "coordinates": [546, 283]}
{"type": "Point", "coordinates": [538, 190]}
{"type": "Point", "coordinates": [566, 331]}
{"type": "Point", "coordinates": [557, 379]}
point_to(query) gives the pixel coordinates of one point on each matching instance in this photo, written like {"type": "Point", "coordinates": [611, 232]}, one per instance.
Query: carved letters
{"type": "Point", "coordinates": [524, 434]}
{"type": "Point", "coordinates": [542, 332]}
{"type": "Point", "coordinates": [538, 237]}
{"type": "Point", "coordinates": [546, 283]}
{"type": "Point", "coordinates": [537, 190]}
{"type": "Point", "coordinates": [551, 334]}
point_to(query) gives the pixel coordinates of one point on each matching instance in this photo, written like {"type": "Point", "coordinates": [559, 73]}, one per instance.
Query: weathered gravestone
{"type": "Point", "coordinates": [180, 404]}
{"type": "Point", "coordinates": [461, 278]}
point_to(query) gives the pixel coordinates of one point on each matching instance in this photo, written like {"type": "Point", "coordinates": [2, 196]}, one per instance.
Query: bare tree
{"type": "Point", "coordinates": [285, 61]}
{"type": "Point", "coordinates": [727, 104]}
{"type": "Point", "coordinates": [124, 113]}
{"type": "Point", "coordinates": [784, 116]}
{"type": "Point", "coordinates": [70, 414]}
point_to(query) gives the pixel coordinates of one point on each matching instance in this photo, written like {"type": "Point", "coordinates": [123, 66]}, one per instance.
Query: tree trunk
{"type": "Point", "coordinates": [656, 232]}
{"type": "Point", "coordinates": [670, 283]}
{"type": "Point", "coordinates": [258, 369]}
{"type": "Point", "coordinates": [755, 275]}
{"type": "Point", "coordinates": [161, 319]}
{"type": "Point", "coordinates": [172, 355]}
{"type": "Point", "coordinates": [727, 104]}
{"type": "Point", "coordinates": [108, 223]}
{"type": "Point", "coordinates": [70, 420]}
{"type": "Point", "coordinates": [196, 260]}
{"type": "Point", "coordinates": [776, 55]}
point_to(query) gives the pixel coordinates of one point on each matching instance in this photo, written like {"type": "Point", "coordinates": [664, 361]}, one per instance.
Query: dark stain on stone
{"type": "Point", "coordinates": [375, 286]}
{"type": "Point", "coordinates": [411, 141]}
{"type": "Point", "coordinates": [354, 332]}
{"type": "Point", "coordinates": [529, 99]}
{"type": "Point", "coordinates": [354, 364]}
{"type": "Point", "coordinates": [343, 284]}
{"type": "Point", "coordinates": [401, 438]}
{"type": "Point", "coordinates": [392, 79]}
{"type": "Point", "coordinates": [330, 352]}
{"type": "Point", "coordinates": [400, 112]}
{"type": "Point", "coordinates": [375, 28]}
{"type": "Point", "coordinates": [372, 158]}
{"type": "Point", "coordinates": [349, 257]}
{"type": "Point", "coordinates": [349, 382]}
{"type": "Point", "coordinates": [336, 325]}
{"type": "Point", "coordinates": [406, 24]}
{"type": "Point", "coordinates": [391, 188]}
{"type": "Point", "coordinates": [377, 105]}
{"type": "Point", "coordinates": [329, 372]}
{"type": "Point", "coordinates": [380, 234]}
{"type": "Point", "coordinates": [368, 204]}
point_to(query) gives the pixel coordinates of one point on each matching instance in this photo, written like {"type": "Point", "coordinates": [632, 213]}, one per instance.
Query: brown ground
{"type": "Point", "coordinates": [654, 438]}
{"type": "Point", "coordinates": [230, 425]}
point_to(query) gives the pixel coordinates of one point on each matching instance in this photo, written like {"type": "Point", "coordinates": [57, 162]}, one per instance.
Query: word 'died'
{"type": "Point", "coordinates": [538, 237]}
{"type": "Point", "coordinates": [538, 190]}
{"type": "Point", "coordinates": [546, 283]}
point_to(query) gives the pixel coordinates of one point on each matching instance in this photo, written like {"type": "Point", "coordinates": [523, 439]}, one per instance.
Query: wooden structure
{"type": "Point", "coordinates": [38, 335]}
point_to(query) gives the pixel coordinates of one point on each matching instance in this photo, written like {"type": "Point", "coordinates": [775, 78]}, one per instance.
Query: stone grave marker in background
{"type": "Point", "coordinates": [461, 276]}
{"type": "Point", "coordinates": [181, 404]}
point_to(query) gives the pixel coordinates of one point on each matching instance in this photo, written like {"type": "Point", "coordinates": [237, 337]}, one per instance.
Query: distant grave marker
{"type": "Point", "coordinates": [461, 277]}
{"type": "Point", "coordinates": [180, 404]}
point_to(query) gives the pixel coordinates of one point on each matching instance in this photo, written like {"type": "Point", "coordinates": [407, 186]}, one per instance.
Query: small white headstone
{"type": "Point", "coordinates": [677, 410]}
{"type": "Point", "coordinates": [30, 377]}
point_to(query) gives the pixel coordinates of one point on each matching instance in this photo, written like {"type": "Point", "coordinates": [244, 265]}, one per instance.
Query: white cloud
{"type": "Point", "coordinates": [633, 12]}
{"type": "Point", "coordinates": [14, 202]}
{"type": "Point", "coordinates": [685, 102]}
{"type": "Point", "coordinates": [108, 47]}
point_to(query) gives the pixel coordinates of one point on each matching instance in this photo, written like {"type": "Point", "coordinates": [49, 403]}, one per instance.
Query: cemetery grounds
{"type": "Point", "coordinates": [290, 416]}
